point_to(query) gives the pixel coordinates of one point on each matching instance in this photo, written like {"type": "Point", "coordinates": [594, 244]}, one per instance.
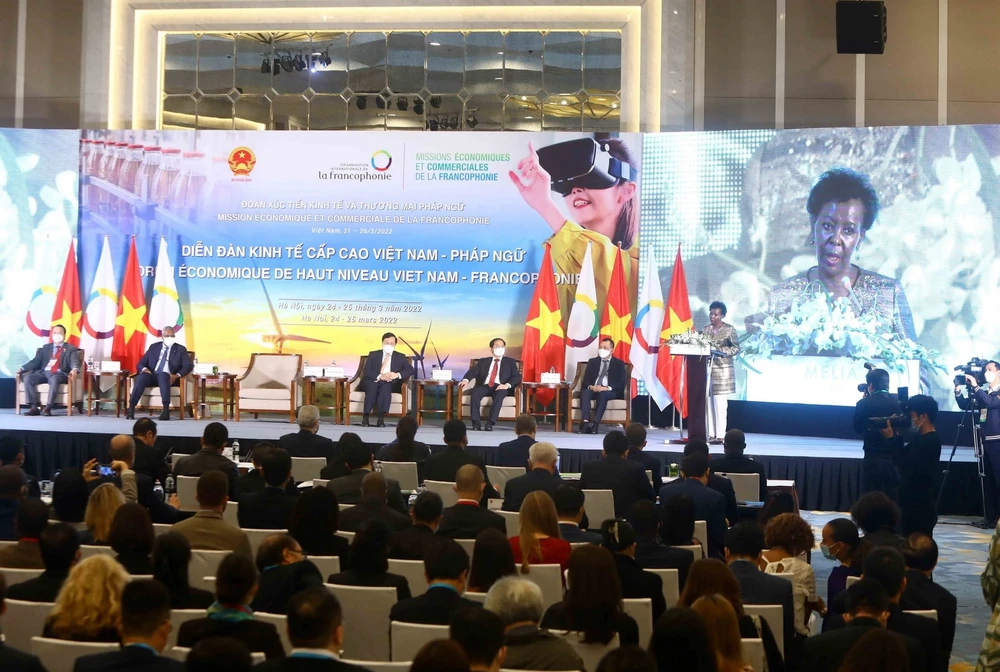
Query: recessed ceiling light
{"type": "Point", "coordinates": [564, 102]}
{"type": "Point", "coordinates": [613, 105]}
{"type": "Point", "coordinates": [500, 53]}
{"type": "Point", "coordinates": [529, 117]}
{"type": "Point", "coordinates": [499, 79]}
{"type": "Point", "coordinates": [524, 97]}
{"type": "Point", "coordinates": [435, 44]}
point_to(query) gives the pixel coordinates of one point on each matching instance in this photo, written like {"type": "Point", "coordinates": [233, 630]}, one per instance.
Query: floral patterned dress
{"type": "Point", "coordinates": [723, 372]}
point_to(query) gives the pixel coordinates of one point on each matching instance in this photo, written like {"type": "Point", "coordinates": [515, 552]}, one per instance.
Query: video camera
{"type": "Point", "coordinates": [898, 421]}
{"type": "Point", "coordinates": [975, 367]}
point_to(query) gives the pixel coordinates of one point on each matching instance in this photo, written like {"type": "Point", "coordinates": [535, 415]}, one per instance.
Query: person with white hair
{"type": "Point", "coordinates": [518, 603]}
{"type": "Point", "coordinates": [543, 460]}
{"type": "Point", "coordinates": [308, 442]}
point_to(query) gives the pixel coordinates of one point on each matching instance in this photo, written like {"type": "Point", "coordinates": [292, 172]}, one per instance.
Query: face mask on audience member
{"type": "Point", "coordinates": [168, 341]}
{"type": "Point", "coordinates": [499, 350]}
{"type": "Point", "coordinates": [605, 353]}
{"type": "Point", "coordinates": [58, 338]}
{"type": "Point", "coordinates": [388, 349]}
{"type": "Point", "coordinates": [990, 376]}
{"type": "Point", "coordinates": [827, 553]}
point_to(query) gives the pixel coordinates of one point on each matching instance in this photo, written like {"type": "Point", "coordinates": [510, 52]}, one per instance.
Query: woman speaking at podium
{"type": "Point", "coordinates": [725, 346]}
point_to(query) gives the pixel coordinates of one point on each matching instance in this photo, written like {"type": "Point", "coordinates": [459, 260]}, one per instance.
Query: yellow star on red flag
{"type": "Point", "coordinates": [131, 318]}
{"type": "Point", "coordinates": [548, 324]}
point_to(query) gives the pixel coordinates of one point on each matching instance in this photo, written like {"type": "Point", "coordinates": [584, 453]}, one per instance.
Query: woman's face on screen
{"type": "Point", "coordinates": [598, 209]}
{"type": "Point", "coordinates": [837, 232]}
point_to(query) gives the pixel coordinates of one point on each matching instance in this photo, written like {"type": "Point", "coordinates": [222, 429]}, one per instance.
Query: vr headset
{"type": "Point", "coordinates": [582, 163]}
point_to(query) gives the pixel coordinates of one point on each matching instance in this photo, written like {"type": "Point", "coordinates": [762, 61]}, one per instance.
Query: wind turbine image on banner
{"type": "Point", "coordinates": [278, 339]}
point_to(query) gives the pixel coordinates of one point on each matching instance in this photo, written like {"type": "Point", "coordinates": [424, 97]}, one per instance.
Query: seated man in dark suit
{"type": "Point", "coordinates": [404, 448]}
{"type": "Point", "coordinates": [495, 377]}
{"type": "Point", "coordinates": [466, 519]}
{"type": "Point", "coordinates": [145, 629]}
{"type": "Point", "coordinates": [921, 555]}
{"type": "Point", "coordinates": [444, 465]}
{"type": "Point", "coordinates": [284, 571]}
{"type": "Point", "coordinates": [626, 479]}
{"type": "Point", "coordinates": [744, 543]}
{"type": "Point", "coordinates": [734, 462]}
{"type": "Point", "coordinates": [720, 484]}
{"type": "Point", "coordinates": [867, 608]}
{"type": "Point", "coordinates": [886, 566]}
{"type": "Point", "coordinates": [12, 454]}
{"type": "Point", "coordinates": [210, 458]}
{"type": "Point", "coordinates": [307, 442]}
{"type": "Point", "coordinates": [53, 364]}
{"type": "Point", "coordinates": [373, 505]}
{"type": "Point", "coordinates": [446, 569]}
{"type": "Point", "coordinates": [60, 547]}
{"type": "Point", "coordinates": [32, 517]}
{"type": "Point", "coordinates": [384, 373]}
{"type": "Point", "coordinates": [163, 365]}
{"type": "Point", "coordinates": [604, 379]}
{"type": "Point", "coordinates": [316, 633]}
{"type": "Point", "coordinates": [122, 449]}
{"type": "Point", "coordinates": [414, 542]}
{"type": "Point", "coordinates": [542, 460]}
{"type": "Point", "coordinates": [149, 459]}
{"type": "Point", "coordinates": [710, 506]}
{"type": "Point", "coordinates": [569, 500]}
{"type": "Point", "coordinates": [649, 552]}
{"type": "Point", "coordinates": [11, 658]}
{"type": "Point", "coordinates": [235, 587]}
{"type": "Point", "coordinates": [358, 458]}
{"type": "Point", "coordinates": [271, 508]}
{"type": "Point", "coordinates": [514, 453]}
{"type": "Point", "coordinates": [636, 435]}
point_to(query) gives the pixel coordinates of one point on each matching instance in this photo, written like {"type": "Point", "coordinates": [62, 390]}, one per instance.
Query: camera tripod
{"type": "Point", "coordinates": [978, 448]}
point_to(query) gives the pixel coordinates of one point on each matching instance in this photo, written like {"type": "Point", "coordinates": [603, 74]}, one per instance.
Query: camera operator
{"type": "Point", "coordinates": [879, 471]}
{"type": "Point", "coordinates": [987, 397]}
{"type": "Point", "coordinates": [920, 467]}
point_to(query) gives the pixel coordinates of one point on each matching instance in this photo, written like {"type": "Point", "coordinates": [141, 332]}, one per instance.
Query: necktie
{"type": "Point", "coordinates": [56, 354]}
{"type": "Point", "coordinates": [493, 372]}
{"type": "Point", "coordinates": [386, 362]}
{"type": "Point", "coordinates": [164, 351]}
{"type": "Point", "coordinates": [602, 376]}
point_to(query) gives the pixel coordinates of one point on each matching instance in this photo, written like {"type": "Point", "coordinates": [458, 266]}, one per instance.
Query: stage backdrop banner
{"type": "Point", "coordinates": [318, 243]}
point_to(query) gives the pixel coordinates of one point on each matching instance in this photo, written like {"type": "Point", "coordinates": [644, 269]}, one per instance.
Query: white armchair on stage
{"type": "Point", "coordinates": [618, 411]}
{"type": "Point", "coordinates": [270, 385]}
{"type": "Point", "coordinates": [356, 397]}
{"type": "Point", "coordinates": [69, 394]}
{"type": "Point", "coordinates": [509, 408]}
{"type": "Point", "coordinates": [182, 397]}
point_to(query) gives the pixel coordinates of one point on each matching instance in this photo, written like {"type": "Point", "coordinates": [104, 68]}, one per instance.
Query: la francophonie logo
{"type": "Point", "coordinates": [381, 160]}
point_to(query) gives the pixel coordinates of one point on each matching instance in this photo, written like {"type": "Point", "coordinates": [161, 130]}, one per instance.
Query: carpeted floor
{"type": "Point", "coordinates": [963, 551]}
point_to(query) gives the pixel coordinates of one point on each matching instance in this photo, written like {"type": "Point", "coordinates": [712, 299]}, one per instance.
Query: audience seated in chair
{"type": "Point", "coordinates": [144, 628]}
{"type": "Point", "coordinates": [841, 542]}
{"type": "Point", "coordinates": [921, 555]}
{"type": "Point", "coordinates": [720, 484]}
{"type": "Point", "coordinates": [88, 608]}
{"type": "Point", "coordinates": [253, 481]}
{"type": "Point", "coordinates": [11, 658]}
{"type": "Point", "coordinates": [413, 542]}
{"type": "Point", "coordinates": [70, 495]}
{"type": "Point", "coordinates": [446, 568]}
{"type": "Point", "coordinates": [627, 659]}
{"type": "Point", "coordinates": [677, 518]}
{"type": "Point", "coordinates": [788, 537]}
{"type": "Point", "coordinates": [878, 517]}
{"type": "Point", "coordinates": [710, 505]}
{"type": "Point", "coordinates": [307, 442]}
{"type": "Point", "coordinates": [138, 486]}
{"type": "Point", "coordinates": [59, 545]}
{"type": "Point", "coordinates": [12, 454]}
{"type": "Point", "coordinates": [724, 632]}
{"type": "Point", "coordinates": [370, 561]}
{"type": "Point", "coordinates": [467, 518]}
{"type": "Point", "coordinates": [284, 571]}
{"type": "Point", "coordinates": [358, 458]}
{"type": "Point", "coordinates": [625, 478]}
{"type": "Point", "coordinates": [569, 501]}
{"type": "Point", "coordinates": [271, 508]}
{"type": "Point", "coordinates": [210, 458]}
{"type": "Point", "coordinates": [537, 539]}
{"type": "Point", "coordinates": [518, 603]}
{"type": "Point", "coordinates": [650, 553]}
{"type": "Point", "coordinates": [104, 503]}
{"type": "Point", "coordinates": [480, 634]}
{"type": "Point", "coordinates": [542, 475]}
{"type": "Point", "coordinates": [149, 459]}
{"type": "Point", "coordinates": [131, 538]}
{"type": "Point", "coordinates": [636, 583]}
{"type": "Point", "coordinates": [206, 530]}
{"type": "Point", "coordinates": [734, 462]}
{"type": "Point", "coordinates": [516, 452]}
{"type": "Point", "coordinates": [12, 492]}
{"type": "Point", "coordinates": [337, 467]}
{"type": "Point", "coordinates": [32, 517]}
{"type": "Point", "coordinates": [636, 435]}
{"type": "Point", "coordinates": [230, 614]}
{"type": "Point", "coordinates": [444, 465]}
{"type": "Point", "coordinates": [492, 559]}
{"type": "Point", "coordinates": [404, 448]}
{"type": "Point", "coordinates": [374, 506]}
{"type": "Point", "coordinates": [440, 655]}
{"type": "Point", "coordinates": [215, 653]}
{"type": "Point", "coordinates": [171, 557]}
{"type": "Point", "coordinates": [681, 641]}
{"type": "Point", "coordinates": [314, 523]}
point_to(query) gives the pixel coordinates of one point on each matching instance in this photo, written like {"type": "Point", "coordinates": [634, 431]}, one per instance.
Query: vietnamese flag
{"type": "Point", "coordinates": [130, 331]}
{"type": "Point", "coordinates": [676, 320]}
{"type": "Point", "coordinates": [617, 321]}
{"type": "Point", "coordinates": [68, 311]}
{"type": "Point", "coordinates": [544, 339]}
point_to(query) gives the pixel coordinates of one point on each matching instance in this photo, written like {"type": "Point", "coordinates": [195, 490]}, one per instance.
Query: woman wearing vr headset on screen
{"type": "Point", "coordinates": [597, 180]}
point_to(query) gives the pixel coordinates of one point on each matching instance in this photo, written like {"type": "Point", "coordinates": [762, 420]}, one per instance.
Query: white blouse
{"type": "Point", "coordinates": [803, 579]}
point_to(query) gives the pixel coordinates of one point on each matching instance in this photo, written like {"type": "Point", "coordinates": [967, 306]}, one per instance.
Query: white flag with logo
{"type": "Point", "coordinates": [584, 323]}
{"type": "Point", "coordinates": [102, 310]}
{"type": "Point", "coordinates": [165, 306]}
{"type": "Point", "coordinates": [646, 339]}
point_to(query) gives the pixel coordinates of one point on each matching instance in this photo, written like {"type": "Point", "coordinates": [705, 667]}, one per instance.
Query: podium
{"type": "Point", "coordinates": [694, 380]}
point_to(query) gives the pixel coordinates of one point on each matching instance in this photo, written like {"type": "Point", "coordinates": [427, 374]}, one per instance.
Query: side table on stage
{"type": "Point", "coordinates": [449, 391]}
{"type": "Point", "coordinates": [339, 395]}
{"type": "Point", "coordinates": [528, 392]}
{"type": "Point", "coordinates": [227, 381]}
{"type": "Point", "coordinates": [94, 391]}
{"type": "Point", "coordinates": [694, 381]}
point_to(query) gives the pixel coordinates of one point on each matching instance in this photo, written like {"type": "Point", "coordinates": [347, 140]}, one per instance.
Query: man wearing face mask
{"type": "Point", "coordinates": [603, 380]}
{"type": "Point", "coordinates": [879, 470]}
{"type": "Point", "coordinates": [163, 365]}
{"type": "Point", "coordinates": [383, 374]}
{"type": "Point", "coordinates": [491, 376]}
{"type": "Point", "coordinates": [920, 468]}
{"type": "Point", "coordinates": [987, 397]}
{"type": "Point", "coordinates": [54, 363]}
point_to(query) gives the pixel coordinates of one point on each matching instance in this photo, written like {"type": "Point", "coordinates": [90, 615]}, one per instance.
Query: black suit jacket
{"type": "Point", "coordinates": [756, 587]}
{"type": "Point", "coordinates": [742, 465]}
{"type": "Point", "coordinates": [434, 607]}
{"type": "Point", "coordinates": [353, 577]}
{"type": "Point", "coordinates": [159, 511]}
{"type": "Point", "coordinates": [269, 509]}
{"type": "Point", "coordinates": [178, 361]}
{"type": "Point", "coordinates": [920, 628]}
{"type": "Point", "coordinates": [69, 359]}
{"type": "Point", "coordinates": [209, 460]}
{"type": "Point", "coordinates": [724, 487]}
{"type": "Point", "coordinates": [826, 652]}
{"type": "Point", "coordinates": [128, 659]}
{"type": "Point", "coordinates": [295, 664]}
{"type": "Point", "coordinates": [651, 554]}
{"type": "Point", "coordinates": [650, 462]}
{"type": "Point", "coordinates": [617, 380]}
{"type": "Point", "coordinates": [879, 405]}
{"type": "Point", "coordinates": [466, 521]}
{"type": "Point", "coordinates": [13, 660]}
{"type": "Point", "coordinates": [151, 461]}
{"type": "Point", "coordinates": [923, 593]}
{"type": "Point", "coordinates": [398, 363]}
{"type": "Point", "coordinates": [514, 453]}
{"type": "Point", "coordinates": [574, 535]}
{"type": "Point", "coordinates": [258, 636]}
{"type": "Point", "coordinates": [479, 373]}
{"type": "Point", "coordinates": [626, 479]}
{"type": "Point", "coordinates": [44, 588]}
{"type": "Point", "coordinates": [348, 490]}
{"type": "Point", "coordinates": [412, 543]}
{"type": "Point", "coordinates": [710, 506]}
{"type": "Point", "coordinates": [304, 443]}
{"type": "Point", "coordinates": [520, 487]}
{"type": "Point", "coordinates": [351, 519]}
{"type": "Point", "coordinates": [392, 452]}
{"type": "Point", "coordinates": [638, 584]}
{"type": "Point", "coordinates": [278, 584]}
{"type": "Point", "coordinates": [444, 465]}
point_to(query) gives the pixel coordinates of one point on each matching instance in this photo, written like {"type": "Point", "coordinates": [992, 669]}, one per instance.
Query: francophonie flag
{"type": "Point", "coordinates": [102, 309]}
{"type": "Point", "coordinates": [584, 318]}
{"type": "Point", "coordinates": [165, 305]}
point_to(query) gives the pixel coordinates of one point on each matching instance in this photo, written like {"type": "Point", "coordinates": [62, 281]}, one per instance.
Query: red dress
{"type": "Point", "coordinates": [554, 552]}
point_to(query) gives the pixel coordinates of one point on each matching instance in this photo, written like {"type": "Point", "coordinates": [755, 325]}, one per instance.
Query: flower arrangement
{"type": "Point", "coordinates": [823, 325]}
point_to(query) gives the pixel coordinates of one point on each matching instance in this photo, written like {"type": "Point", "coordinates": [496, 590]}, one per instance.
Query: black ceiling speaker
{"type": "Point", "coordinates": [861, 27]}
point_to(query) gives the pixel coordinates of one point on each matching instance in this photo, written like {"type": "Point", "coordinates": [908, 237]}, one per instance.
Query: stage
{"type": "Point", "coordinates": [826, 471]}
